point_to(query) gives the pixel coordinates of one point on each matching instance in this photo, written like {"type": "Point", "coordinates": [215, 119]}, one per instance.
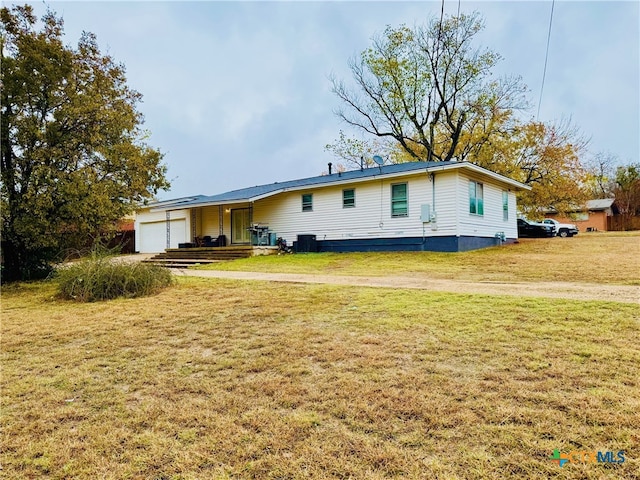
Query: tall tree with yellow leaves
{"type": "Point", "coordinates": [427, 94]}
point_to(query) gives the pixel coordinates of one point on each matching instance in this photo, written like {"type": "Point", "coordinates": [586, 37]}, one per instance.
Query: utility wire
{"type": "Point", "coordinates": [546, 57]}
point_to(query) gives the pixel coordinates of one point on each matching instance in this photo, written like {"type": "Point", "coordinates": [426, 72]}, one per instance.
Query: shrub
{"type": "Point", "coordinates": [102, 278]}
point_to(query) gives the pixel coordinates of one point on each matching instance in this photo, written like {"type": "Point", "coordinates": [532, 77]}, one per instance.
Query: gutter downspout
{"type": "Point", "coordinates": [433, 192]}
{"type": "Point", "coordinates": [434, 215]}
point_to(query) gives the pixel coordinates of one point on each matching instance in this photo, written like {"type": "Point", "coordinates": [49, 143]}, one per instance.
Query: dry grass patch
{"type": "Point", "coordinates": [612, 258]}
{"type": "Point", "coordinates": [222, 379]}
{"type": "Point", "coordinates": [98, 277]}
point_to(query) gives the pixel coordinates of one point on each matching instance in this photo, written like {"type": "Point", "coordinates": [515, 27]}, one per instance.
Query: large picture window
{"type": "Point", "coordinates": [399, 204]}
{"type": "Point", "coordinates": [307, 202]}
{"type": "Point", "coordinates": [476, 198]}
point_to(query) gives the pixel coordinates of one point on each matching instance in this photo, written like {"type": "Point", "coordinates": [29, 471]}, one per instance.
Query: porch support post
{"type": "Point", "coordinates": [193, 224]}
{"type": "Point", "coordinates": [220, 221]}
{"type": "Point", "coordinates": [251, 224]}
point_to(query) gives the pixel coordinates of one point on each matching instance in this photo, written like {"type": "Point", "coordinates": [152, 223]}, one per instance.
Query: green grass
{"type": "Point", "coordinates": [612, 258]}
{"type": "Point", "coordinates": [228, 379]}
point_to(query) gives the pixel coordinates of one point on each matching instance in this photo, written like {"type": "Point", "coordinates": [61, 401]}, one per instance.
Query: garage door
{"type": "Point", "coordinates": [153, 235]}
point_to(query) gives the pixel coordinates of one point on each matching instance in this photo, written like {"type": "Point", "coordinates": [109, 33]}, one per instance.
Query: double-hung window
{"type": "Point", "coordinates": [399, 203]}
{"type": "Point", "coordinates": [476, 198]}
{"type": "Point", "coordinates": [349, 198]}
{"type": "Point", "coordinates": [307, 202]}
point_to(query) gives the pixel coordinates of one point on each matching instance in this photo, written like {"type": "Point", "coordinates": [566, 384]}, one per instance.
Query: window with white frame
{"type": "Point", "coordinates": [399, 200]}
{"type": "Point", "coordinates": [307, 202]}
{"type": "Point", "coordinates": [349, 198]}
{"type": "Point", "coordinates": [476, 198]}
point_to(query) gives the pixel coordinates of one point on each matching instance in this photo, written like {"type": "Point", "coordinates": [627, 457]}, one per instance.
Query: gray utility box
{"type": "Point", "coordinates": [425, 213]}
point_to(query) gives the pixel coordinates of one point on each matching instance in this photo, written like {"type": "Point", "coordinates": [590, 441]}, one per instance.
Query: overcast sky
{"type": "Point", "coordinates": [237, 94]}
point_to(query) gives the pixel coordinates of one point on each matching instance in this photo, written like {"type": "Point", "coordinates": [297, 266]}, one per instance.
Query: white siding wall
{"type": "Point", "coordinates": [143, 216]}
{"type": "Point", "coordinates": [492, 221]}
{"type": "Point", "coordinates": [210, 222]}
{"type": "Point", "coordinates": [446, 207]}
{"type": "Point", "coordinates": [370, 218]}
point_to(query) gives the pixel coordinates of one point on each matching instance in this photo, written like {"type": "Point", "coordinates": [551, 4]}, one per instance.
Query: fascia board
{"type": "Point", "coordinates": [203, 204]}
{"type": "Point", "coordinates": [170, 203]}
{"type": "Point", "coordinates": [483, 171]}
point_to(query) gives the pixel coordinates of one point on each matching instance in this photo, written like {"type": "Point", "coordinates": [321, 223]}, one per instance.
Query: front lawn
{"type": "Point", "coordinates": [225, 379]}
{"type": "Point", "coordinates": [612, 258]}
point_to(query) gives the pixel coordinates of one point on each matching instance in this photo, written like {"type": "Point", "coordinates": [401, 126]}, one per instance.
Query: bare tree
{"type": "Point", "coordinates": [601, 169]}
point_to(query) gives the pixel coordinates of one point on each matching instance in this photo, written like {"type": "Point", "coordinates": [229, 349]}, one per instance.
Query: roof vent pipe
{"type": "Point", "coordinates": [330, 164]}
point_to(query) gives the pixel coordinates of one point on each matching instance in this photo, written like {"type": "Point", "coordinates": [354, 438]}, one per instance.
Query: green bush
{"type": "Point", "coordinates": [103, 278]}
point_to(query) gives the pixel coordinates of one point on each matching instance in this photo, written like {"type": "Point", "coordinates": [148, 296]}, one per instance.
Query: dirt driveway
{"type": "Point", "coordinates": [566, 290]}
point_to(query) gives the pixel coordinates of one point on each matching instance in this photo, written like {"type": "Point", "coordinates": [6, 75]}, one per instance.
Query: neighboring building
{"type": "Point", "coordinates": [595, 216]}
{"type": "Point", "coordinates": [438, 206]}
{"type": "Point", "coordinates": [124, 237]}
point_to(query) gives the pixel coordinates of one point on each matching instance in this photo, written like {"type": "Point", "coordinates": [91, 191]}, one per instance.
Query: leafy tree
{"type": "Point", "coordinates": [607, 180]}
{"type": "Point", "coordinates": [627, 192]}
{"type": "Point", "coordinates": [601, 173]}
{"type": "Point", "coordinates": [360, 152]}
{"type": "Point", "coordinates": [429, 89]}
{"type": "Point", "coordinates": [427, 94]}
{"type": "Point", "coordinates": [547, 158]}
{"type": "Point", "coordinates": [74, 157]}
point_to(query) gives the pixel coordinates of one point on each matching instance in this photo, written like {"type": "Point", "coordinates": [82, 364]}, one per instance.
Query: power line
{"type": "Point", "coordinates": [546, 57]}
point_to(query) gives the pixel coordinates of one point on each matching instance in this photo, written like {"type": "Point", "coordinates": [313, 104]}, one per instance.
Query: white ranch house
{"type": "Point", "coordinates": [437, 206]}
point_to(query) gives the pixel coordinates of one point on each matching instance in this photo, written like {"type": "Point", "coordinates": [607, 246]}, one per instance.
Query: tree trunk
{"type": "Point", "coordinates": [11, 264]}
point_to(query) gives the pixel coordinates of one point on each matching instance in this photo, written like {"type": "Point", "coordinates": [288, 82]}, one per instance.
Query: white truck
{"type": "Point", "coordinates": [562, 229]}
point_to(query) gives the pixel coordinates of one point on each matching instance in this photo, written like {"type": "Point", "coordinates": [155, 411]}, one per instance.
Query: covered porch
{"type": "Point", "coordinates": [230, 225]}
{"type": "Point", "coordinates": [201, 226]}
{"type": "Point", "coordinates": [193, 235]}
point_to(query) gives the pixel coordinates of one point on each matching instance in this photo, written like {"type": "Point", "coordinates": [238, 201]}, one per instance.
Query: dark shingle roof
{"type": "Point", "coordinates": [259, 191]}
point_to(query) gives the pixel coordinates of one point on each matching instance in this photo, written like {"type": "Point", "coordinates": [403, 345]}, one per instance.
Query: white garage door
{"type": "Point", "coordinates": [153, 235]}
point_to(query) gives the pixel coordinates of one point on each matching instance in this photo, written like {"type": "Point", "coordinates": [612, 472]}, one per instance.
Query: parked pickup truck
{"type": "Point", "coordinates": [562, 229]}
